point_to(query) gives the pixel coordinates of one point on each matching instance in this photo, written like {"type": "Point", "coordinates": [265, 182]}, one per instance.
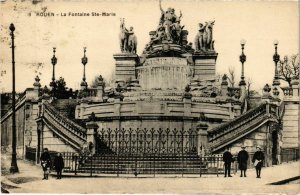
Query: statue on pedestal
{"type": "Point", "coordinates": [128, 40]}
{"type": "Point", "coordinates": [204, 39]}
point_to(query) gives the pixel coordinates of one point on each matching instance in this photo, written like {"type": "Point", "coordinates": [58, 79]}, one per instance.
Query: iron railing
{"type": "Point", "coordinates": [289, 155]}
{"type": "Point", "coordinates": [30, 153]}
{"type": "Point", "coordinates": [145, 165]}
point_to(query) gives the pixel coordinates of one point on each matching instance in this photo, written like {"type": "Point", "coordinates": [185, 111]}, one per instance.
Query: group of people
{"type": "Point", "coordinates": [46, 164]}
{"type": "Point", "coordinates": [242, 159]}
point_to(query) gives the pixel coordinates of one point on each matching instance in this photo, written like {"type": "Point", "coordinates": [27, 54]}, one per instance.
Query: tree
{"type": "Point", "coordinates": [231, 76]}
{"type": "Point", "coordinates": [61, 91]}
{"type": "Point", "coordinates": [249, 83]}
{"type": "Point", "coordinates": [289, 68]}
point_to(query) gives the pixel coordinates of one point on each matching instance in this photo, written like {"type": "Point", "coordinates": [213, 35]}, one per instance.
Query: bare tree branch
{"type": "Point", "coordinates": [288, 68]}
{"type": "Point", "coordinates": [231, 76]}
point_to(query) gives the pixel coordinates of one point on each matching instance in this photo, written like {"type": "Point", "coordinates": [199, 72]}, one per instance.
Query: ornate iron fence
{"type": "Point", "coordinates": [145, 141]}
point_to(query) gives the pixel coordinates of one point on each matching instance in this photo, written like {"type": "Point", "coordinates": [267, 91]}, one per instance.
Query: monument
{"type": "Point", "coordinates": [166, 113]}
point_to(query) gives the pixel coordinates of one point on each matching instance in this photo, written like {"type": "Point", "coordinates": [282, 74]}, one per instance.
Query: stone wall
{"type": "Point", "coordinates": [290, 125]}
{"type": "Point", "coordinates": [261, 137]}
{"type": "Point", "coordinates": [52, 141]}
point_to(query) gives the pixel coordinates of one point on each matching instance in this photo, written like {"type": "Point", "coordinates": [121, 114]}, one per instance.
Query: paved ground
{"type": "Point", "coordinates": [29, 180]}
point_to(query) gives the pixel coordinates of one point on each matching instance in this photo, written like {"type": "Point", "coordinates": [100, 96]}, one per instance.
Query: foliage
{"type": "Point", "coordinates": [288, 68]}
{"type": "Point", "coordinates": [61, 91]}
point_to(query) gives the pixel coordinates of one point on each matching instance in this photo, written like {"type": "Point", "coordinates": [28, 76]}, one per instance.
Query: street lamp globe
{"type": "Point", "coordinates": [243, 42]}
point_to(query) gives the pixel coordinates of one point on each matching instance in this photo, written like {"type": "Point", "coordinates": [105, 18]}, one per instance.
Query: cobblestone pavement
{"type": "Point", "coordinates": [30, 180]}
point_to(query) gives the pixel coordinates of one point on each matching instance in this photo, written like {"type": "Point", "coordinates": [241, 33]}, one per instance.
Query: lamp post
{"type": "Point", "coordinates": [14, 167]}
{"type": "Point", "coordinates": [84, 61]}
{"type": "Point", "coordinates": [276, 59]}
{"type": "Point", "coordinates": [242, 60]}
{"type": "Point", "coordinates": [54, 62]}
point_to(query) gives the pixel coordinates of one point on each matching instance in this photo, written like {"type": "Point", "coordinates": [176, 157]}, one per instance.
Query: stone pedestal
{"type": "Point", "coordinates": [100, 91]}
{"type": "Point", "coordinates": [36, 87]}
{"type": "Point", "coordinates": [91, 135]}
{"type": "Point", "coordinates": [205, 65]}
{"type": "Point", "coordinates": [202, 138]}
{"type": "Point", "coordinates": [81, 110]}
{"type": "Point", "coordinates": [125, 66]}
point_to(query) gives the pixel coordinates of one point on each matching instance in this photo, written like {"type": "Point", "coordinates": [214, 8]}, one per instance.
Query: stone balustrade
{"type": "Point", "coordinates": [287, 91]}
{"type": "Point", "coordinates": [92, 92]}
{"type": "Point", "coordinates": [229, 131]}
{"type": "Point", "coordinates": [64, 124]}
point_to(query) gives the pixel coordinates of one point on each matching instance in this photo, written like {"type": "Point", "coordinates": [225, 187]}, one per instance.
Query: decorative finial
{"type": "Point", "coordinates": [12, 27]}
{"type": "Point", "coordinates": [37, 82]}
{"type": "Point", "coordinates": [267, 88]}
{"type": "Point", "coordinates": [37, 79]}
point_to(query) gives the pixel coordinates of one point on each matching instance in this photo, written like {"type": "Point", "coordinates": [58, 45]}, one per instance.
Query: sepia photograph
{"type": "Point", "coordinates": [149, 97]}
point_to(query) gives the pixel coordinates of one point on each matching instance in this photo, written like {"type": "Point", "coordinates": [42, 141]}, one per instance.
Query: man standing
{"type": "Point", "coordinates": [45, 162]}
{"type": "Point", "coordinates": [59, 165]}
{"type": "Point", "coordinates": [242, 160]}
{"type": "Point", "coordinates": [227, 158]}
{"type": "Point", "coordinates": [257, 160]}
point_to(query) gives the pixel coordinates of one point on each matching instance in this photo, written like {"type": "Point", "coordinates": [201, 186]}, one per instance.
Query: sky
{"type": "Point", "coordinates": [258, 22]}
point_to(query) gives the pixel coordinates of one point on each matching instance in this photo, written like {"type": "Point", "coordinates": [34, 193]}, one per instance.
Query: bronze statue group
{"type": "Point", "coordinates": [242, 160]}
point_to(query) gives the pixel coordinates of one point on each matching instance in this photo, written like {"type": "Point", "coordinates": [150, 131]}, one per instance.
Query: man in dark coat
{"type": "Point", "coordinates": [227, 158]}
{"type": "Point", "coordinates": [242, 159]}
{"type": "Point", "coordinates": [258, 159]}
{"type": "Point", "coordinates": [59, 165]}
{"type": "Point", "coordinates": [45, 162]}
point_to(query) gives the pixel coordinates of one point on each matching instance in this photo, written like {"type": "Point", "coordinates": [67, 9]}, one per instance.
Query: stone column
{"type": "Point", "coordinates": [237, 109]}
{"type": "Point", "coordinates": [243, 92]}
{"type": "Point", "coordinates": [83, 104]}
{"type": "Point", "coordinates": [202, 137]}
{"type": "Point", "coordinates": [205, 65]}
{"type": "Point", "coordinates": [125, 66]}
{"type": "Point", "coordinates": [117, 112]}
{"type": "Point", "coordinates": [39, 147]}
{"type": "Point", "coordinates": [100, 89]}
{"type": "Point", "coordinates": [295, 87]}
{"type": "Point", "coordinates": [224, 86]}
{"type": "Point", "coordinates": [187, 103]}
{"type": "Point", "coordinates": [36, 87]}
{"type": "Point", "coordinates": [91, 135]}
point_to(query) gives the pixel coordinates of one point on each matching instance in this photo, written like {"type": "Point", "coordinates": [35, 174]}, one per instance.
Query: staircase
{"type": "Point", "coordinates": [241, 126]}
{"type": "Point", "coordinates": [139, 164]}
{"type": "Point", "coordinates": [66, 129]}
